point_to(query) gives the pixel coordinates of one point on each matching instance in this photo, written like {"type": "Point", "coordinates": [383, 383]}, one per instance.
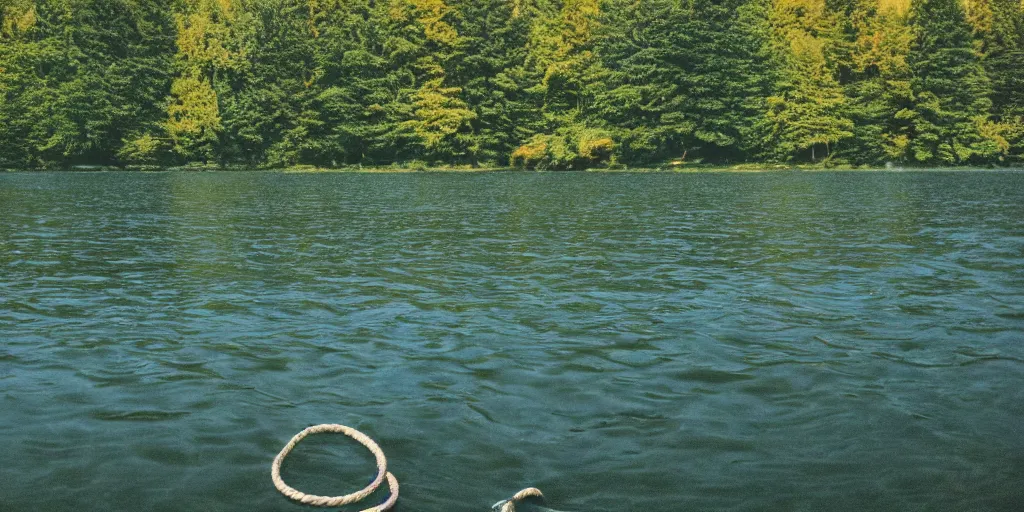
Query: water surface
{"type": "Point", "coordinates": [625, 342]}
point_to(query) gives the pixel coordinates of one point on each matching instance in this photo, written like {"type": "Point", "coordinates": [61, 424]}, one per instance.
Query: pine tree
{"type": "Point", "coordinates": [208, 47]}
{"type": "Point", "coordinates": [265, 100]}
{"type": "Point", "coordinates": [999, 38]}
{"type": "Point", "coordinates": [20, 32]}
{"type": "Point", "coordinates": [640, 90]}
{"type": "Point", "coordinates": [488, 67]}
{"type": "Point", "coordinates": [876, 78]}
{"type": "Point", "coordinates": [561, 66]}
{"type": "Point", "coordinates": [951, 90]}
{"type": "Point", "coordinates": [727, 77]}
{"type": "Point", "coordinates": [439, 120]}
{"type": "Point", "coordinates": [807, 114]}
{"type": "Point", "coordinates": [358, 95]}
{"type": "Point", "coordinates": [80, 78]}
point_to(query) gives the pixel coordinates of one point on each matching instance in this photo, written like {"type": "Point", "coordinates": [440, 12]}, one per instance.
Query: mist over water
{"type": "Point", "coordinates": [625, 342]}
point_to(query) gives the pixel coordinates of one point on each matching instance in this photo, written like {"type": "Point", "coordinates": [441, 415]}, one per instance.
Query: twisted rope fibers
{"type": "Point", "coordinates": [382, 473]}
{"type": "Point", "coordinates": [337, 501]}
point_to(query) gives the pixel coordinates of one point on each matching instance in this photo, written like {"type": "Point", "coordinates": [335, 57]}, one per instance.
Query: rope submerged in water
{"type": "Point", "coordinates": [509, 505]}
{"type": "Point", "coordinates": [382, 473]}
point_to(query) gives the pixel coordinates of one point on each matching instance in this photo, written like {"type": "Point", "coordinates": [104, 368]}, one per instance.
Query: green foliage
{"type": "Point", "coordinates": [194, 119]}
{"type": "Point", "coordinates": [572, 146]}
{"type": "Point", "coordinates": [951, 89]}
{"type": "Point", "coordinates": [1002, 49]}
{"type": "Point", "coordinates": [439, 120]}
{"type": "Point", "coordinates": [873, 68]}
{"type": "Point", "coordinates": [547, 84]}
{"type": "Point", "coordinates": [143, 149]}
{"type": "Point", "coordinates": [488, 66]}
{"type": "Point", "coordinates": [641, 88]}
{"type": "Point", "coordinates": [808, 110]}
{"type": "Point", "coordinates": [78, 75]}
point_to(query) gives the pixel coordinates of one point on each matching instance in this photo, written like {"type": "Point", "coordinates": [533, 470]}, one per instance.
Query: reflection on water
{"type": "Point", "coordinates": [849, 341]}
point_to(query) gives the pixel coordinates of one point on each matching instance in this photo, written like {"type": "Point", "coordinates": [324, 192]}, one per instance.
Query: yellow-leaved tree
{"type": "Point", "coordinates": [878, 83]}
{"type": "Point", "coordinates": [562, 60]}
{"type": "Point", "coordinates": [208, 42]}
{"type": "Point", "coordinates": [440, 120]}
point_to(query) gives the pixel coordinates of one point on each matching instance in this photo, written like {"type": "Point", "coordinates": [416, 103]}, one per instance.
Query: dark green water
{"type": "Point", "coordinates": [625, 342]}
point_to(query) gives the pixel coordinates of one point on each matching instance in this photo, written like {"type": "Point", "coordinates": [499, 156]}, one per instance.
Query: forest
{"type": "Point", "coordinates": [538, 84]}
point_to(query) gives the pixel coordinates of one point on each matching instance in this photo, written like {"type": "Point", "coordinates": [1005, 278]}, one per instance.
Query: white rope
{"type": "Point", "coordinates": [337, 501]}
{"type": "Point", "coordinates": [382, 473]}
{"type": "Point", "coordinates": [509, 505]}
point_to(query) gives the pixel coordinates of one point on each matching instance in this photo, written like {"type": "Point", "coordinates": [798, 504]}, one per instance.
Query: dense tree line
{"type": "Point", "coordinates": [535, 83]}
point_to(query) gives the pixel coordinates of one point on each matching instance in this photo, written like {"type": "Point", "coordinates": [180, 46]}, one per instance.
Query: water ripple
{"type": "Point", "coordinates": [790, 341]}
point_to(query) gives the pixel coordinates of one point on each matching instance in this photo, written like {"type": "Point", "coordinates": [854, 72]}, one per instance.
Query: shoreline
{"type": "Point", "coordinates": [693, 169]}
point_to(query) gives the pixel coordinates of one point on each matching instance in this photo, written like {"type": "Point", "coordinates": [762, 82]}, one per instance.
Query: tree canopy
{"type": "Point", "coordinates": [554, 84]}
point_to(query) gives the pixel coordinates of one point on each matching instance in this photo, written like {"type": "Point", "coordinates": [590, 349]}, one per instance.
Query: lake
{"type": "Point", "coordinates": [848, 341]}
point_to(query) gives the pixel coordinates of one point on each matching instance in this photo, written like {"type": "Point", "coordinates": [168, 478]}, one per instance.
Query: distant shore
{"type": "Point", "coordinates": [403, 169]}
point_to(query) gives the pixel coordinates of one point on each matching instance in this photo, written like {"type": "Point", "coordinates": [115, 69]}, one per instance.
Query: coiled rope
{"type": "Point", "coordinates": [382, 473]}
{"type": "Point", "coordinates": [337, 501]}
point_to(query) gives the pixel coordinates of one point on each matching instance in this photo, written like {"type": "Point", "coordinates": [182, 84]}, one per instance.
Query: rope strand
{"type": "Point", "coordinates": [509, 505]}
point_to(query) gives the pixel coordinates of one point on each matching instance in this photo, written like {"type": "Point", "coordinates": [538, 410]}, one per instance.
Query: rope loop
{"type": "Point", "coordinates": [337, 501]}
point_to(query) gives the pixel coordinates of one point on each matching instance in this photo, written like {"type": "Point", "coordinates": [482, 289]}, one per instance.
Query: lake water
{"type": "Point", "coordinates": [625, 342]}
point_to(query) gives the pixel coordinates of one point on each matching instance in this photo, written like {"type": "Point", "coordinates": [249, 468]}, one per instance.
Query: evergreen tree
{"type": "Point", "coordinates": [207, 48]}
{"type": "Point", "coordinates": [80, 78]}
{"type": "Point", "coordinates": [951, 90]}
{"type": "Point", "coordinates": [641, 88]}
{"type": "Point", "coordinates": [561, 66]}
{"type": "Point", "coordinates": [1000, 40]}
{"type": "Point", "coordinates": [876, 77]}
{"type": "Point", "coordinates": [807, 114]}
{"type": "Point", "coordinates": [727, 78]}
{"type": "Point", "coordinates": [360, 88]}
{"type": "Point", "coordinates": [440, 119]}
{"type": "Point", "coordinates": [555, 84]}
{"type": "Point", "coordinates": [488, 67]}
{"type": "Point", "coordinates": [266, 100]}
